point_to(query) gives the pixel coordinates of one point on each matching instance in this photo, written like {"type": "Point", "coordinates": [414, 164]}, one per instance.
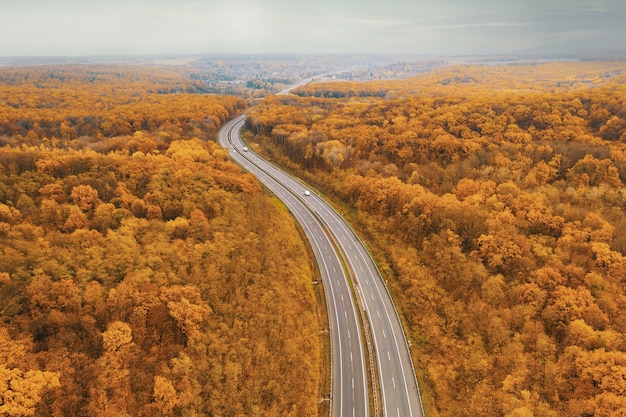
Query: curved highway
{"type": "Point", "coordinates": [399, 391]}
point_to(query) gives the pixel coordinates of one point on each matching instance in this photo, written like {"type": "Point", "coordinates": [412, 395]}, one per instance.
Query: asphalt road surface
{"type": "Point", "coordinates": [332, 241]}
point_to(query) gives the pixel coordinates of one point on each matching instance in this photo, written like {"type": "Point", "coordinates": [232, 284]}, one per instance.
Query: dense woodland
{"type": "Point", "coordinates": [493, 197]}
{"type": "Point", "coordinates": [136, 278]}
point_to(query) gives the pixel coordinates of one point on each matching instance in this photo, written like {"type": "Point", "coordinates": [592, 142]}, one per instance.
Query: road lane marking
{"type": "Point", "coordinates": [406, 385]}
{"type": "Point", "coordinates": [394, 381]}
{"type": "Point", "coordinates": [388, 355]}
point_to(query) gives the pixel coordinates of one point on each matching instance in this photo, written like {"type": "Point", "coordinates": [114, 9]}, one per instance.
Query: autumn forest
{"type": "Point", "coordinates": [135, 276]}
{"type": "Point", "coordinates": [139, 267]}
{"type": "Point", "coordinates": [493, 198]}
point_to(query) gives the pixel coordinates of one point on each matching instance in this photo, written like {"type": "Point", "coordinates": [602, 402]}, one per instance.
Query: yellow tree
{"type": "Point", "coordinates": [85, 197]}
{"type": "Point", "coordinates": [75, 220]}
{"type": "Point", "coordinates": [20, 392]}
{"type": "Point", "coordinates": [112, 395]}
{"type": "Point", "coordinates": [165, 397]}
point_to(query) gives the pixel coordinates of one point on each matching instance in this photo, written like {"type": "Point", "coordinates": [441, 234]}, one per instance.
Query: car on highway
{"type": "Point", "coordinates": [245, 149]}
{"type": "Point", "coordinates": [307, 193]}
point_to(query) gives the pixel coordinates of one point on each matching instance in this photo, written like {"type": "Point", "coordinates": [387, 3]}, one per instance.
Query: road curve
{"type": "Point", "coordinates": [398, 386]}
{"type": "Point", "coordinates": [349, 386]}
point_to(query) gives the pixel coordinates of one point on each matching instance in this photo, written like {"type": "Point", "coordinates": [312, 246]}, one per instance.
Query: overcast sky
{"type": "Point", "coordinates": [440, 27]}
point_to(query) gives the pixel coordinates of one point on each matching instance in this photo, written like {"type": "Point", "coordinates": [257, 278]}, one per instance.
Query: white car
{"type": "Point", "coordinates": [307, 193]}
{"type": "Point", "coordinates": [245, 149]}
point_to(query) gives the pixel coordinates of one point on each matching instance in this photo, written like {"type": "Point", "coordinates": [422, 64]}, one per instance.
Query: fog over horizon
{"type": "Point", "coordinates": [448, 27]}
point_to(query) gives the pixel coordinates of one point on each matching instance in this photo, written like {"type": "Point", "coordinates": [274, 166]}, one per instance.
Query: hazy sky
{"type": "Point", "coordinates": [440, 27]}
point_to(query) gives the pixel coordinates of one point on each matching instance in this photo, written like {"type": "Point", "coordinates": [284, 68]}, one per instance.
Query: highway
{"type": "Point", "coordinates": [299, 84]}
{"type": "Point", "coordinates": [324, 227]}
